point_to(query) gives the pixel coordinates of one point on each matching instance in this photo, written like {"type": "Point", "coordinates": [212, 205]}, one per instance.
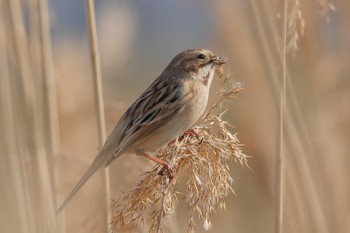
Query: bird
{"type": "Point", "coordinates": [167, 109]}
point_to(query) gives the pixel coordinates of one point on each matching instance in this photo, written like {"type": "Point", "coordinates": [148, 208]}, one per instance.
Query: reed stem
{"type": "Point", "coordinates": [96, 69]}
{"type": "Point", "coordinates": [280, 156]}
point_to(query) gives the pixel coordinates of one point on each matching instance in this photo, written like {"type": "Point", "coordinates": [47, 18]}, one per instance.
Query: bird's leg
{"type": "Point", "coordinates": [190, 131]}
{"type": "Point", "coordinates": [161, 162]}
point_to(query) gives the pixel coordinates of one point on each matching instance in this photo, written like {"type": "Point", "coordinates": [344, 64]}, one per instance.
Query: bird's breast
{"type": "Point", "coordinates": [196, 101]}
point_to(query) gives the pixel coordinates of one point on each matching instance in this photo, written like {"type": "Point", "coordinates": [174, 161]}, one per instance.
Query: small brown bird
{"type": "Point", "coordinates": [167, 109]}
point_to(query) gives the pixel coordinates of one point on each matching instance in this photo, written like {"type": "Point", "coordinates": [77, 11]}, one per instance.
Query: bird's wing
{"type": "Point", "coordinates": [152, 110]}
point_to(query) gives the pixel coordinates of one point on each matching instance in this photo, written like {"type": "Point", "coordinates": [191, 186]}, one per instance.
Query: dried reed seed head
{"type": "Point", "coordinates": [200, 164]}
{"type": "Point", "coordinates": [295, 26]}
{"type": "Point", "coordinates": [326, 6]}
{"type": "Point", "coordinates": [219, 71]}
{"type": "Point", "coordinates": [296, 23]}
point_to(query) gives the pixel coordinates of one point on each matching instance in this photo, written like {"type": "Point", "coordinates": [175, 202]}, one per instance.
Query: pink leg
{"type": "Point", "coordinates": [164, 164]}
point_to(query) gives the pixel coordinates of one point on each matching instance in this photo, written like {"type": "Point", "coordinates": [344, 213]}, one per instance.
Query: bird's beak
{"type": "Point", "coordinates": [219, 60]}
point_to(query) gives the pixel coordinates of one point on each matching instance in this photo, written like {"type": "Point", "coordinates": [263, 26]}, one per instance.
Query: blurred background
{"type": "Point", "coordinates": [48, 118]}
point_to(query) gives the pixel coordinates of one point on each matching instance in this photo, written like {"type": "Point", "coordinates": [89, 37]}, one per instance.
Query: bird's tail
{"type": "Point", "coordinates": [96, 165]}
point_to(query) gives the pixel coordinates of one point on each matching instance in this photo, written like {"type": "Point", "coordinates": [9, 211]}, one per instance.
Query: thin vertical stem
{"type": "Point", "coordinates": [10, 144]}
{"type": "Point", "coordinates": [48, 74]}
{"type": "Point", "coordinates": [280, 156]}
{"type": "Point", "coordinates": [17, 166]}
{"type": "Point", "coordinates": [292, 123]}
{"type": "Point", "coordinates": [51, 129]}
{"type": "Point", "coordinates": [30, 116]}
{"type": "Point", "coordinates": [96, 69]}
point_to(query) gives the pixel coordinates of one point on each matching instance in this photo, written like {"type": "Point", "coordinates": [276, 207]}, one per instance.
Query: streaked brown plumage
{"type": "Point", "coordinates": [169, 107]}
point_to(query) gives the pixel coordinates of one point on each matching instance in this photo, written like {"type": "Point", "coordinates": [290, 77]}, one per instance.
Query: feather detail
{"type": "Point", "coordinates": [161, 106]}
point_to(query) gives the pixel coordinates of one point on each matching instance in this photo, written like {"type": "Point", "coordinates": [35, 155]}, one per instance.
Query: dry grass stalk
{"type": "Point", "coordinates": [295, 26]}
{"type": "Point", "coordinates": [199, 163]}
{"type": "Point", "coordinates": [296, 22]}
{"type": "Point", "coordinates": [50, 89]}
{"type": "Point", "coordinates": [326, 6]}
{"type": "Point", "coordinates": [96, 71]}
{"type": "Point", "coordinates": [280, 156]}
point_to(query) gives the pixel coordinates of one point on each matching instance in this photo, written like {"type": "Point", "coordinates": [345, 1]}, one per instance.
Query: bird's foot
{"type": "Point", "coordinates": [191, 132]}
{"type": "Point", "coordinates": [167, 170]}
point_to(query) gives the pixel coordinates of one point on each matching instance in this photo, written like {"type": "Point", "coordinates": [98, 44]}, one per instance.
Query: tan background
{"type": "Point", "coordinates": [137, 39]}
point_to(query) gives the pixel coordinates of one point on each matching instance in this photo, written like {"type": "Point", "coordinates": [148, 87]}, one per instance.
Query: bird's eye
{"type": "Point", "coordinates": [201, 56]}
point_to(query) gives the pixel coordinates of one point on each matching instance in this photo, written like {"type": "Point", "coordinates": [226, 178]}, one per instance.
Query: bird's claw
{"type": "Point", "coordinates": [167, 170]}
{"type": "Point", "coordinates": [191, 132]}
